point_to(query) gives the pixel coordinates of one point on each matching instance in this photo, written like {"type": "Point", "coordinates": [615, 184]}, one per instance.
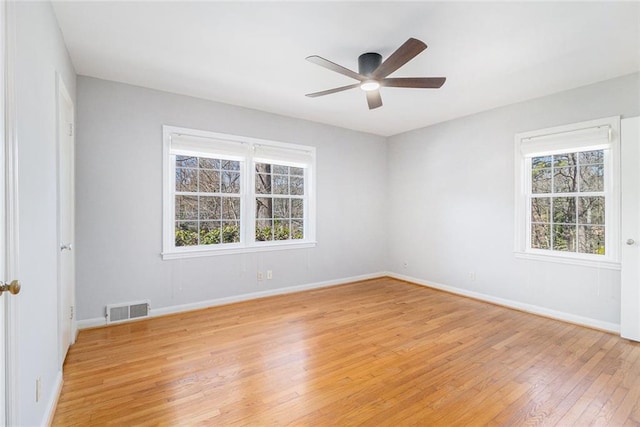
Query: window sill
{"type": "Point", "coordinates": [602, 264]}
{"type": "Point", "coordinates": [199, 252]}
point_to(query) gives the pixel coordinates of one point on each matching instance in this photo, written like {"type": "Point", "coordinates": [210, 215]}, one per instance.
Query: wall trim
{"type": "Point", "coordinates": [163, 311]}
{"type": "Point", "coordinates": [52, 404]}
{"type": "Point", "coordinates": [528, 308]}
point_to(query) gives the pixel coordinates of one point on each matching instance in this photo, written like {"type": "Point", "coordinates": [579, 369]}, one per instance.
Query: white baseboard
{"type": "Point", "coordinates": [163, 311]}
{"type": "Point", "coordinates": [52, 404]}
{"type": "Point", "coordinates": [529, 308]}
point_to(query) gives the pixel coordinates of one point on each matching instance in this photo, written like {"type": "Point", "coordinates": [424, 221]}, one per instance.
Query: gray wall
{"type": "Point", "coordinates": [40, 53]}
{"type": "Point", "coordinates": [452, 204]}
{"type": "Point", "coordinates": [119, 202]}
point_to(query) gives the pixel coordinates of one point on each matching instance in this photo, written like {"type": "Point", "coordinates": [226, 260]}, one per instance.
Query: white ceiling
{"type": "Point", "coordinates": [252, 54]}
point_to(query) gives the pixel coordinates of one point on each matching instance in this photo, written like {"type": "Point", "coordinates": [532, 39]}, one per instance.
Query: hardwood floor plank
{"type": "Point", "coordinates": [378, 352]}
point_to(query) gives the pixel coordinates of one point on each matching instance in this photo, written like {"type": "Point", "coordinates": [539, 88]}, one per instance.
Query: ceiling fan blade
{"type": "Point", "coordinates": [335, 67]}
{"type": "Point", "coordinates": [334, 90]}
{"type": "Point", "coordinates": [374, 99]}
{"type": "Point", "coordinates": [401, 56]}
{"type": "Point", "coordinates": [414, 82]}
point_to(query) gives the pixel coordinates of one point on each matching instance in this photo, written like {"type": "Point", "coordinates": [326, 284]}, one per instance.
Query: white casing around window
{"type": "Point", "coordinates": [600, 134]}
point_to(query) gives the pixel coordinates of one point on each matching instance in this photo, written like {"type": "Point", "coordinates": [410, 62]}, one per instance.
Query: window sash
{"type": "Point", "coordinates": [553, 195]}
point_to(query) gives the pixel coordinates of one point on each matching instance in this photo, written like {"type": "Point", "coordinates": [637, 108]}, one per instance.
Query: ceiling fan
{"type": "Point", "coordinates": [372, 73]}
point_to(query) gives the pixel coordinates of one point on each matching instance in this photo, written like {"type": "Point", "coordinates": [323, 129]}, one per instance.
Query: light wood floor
{"type": "Point", "coordinates": [380, 352]}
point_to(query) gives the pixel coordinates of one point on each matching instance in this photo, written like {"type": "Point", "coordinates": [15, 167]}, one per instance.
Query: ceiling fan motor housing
{"type": "Point", "coordinates": [368, 62]}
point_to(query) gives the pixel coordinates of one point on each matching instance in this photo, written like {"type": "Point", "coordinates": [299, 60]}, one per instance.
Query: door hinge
{"type": "Point", "coordinates": [70, 129]}
{"type": "Point", "coordinates": [71, 313]}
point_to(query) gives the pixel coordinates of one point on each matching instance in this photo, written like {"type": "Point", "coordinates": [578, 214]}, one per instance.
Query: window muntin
{"type": "Point", "coordinates": [214, 204]}
{"type": "Point", "coordinates": [568, 202]}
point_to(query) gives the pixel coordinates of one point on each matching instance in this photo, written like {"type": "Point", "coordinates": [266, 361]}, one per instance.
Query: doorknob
{"type": "Point", "coordinates": [67, 247]}
{"type": "Point", "coordinates": [13, 287]}
{"type": "Point", "coordinates": [630, 242]}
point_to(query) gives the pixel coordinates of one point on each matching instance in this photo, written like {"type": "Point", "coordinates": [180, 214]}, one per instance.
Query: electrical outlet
{"type": "Point", "coordinates": [260, 275]}
{"type": "Point", "coordinates": [405, 264]}
{"type": "Point", "coordinates": [472, 275]}
{"type": "Point", "coordinates": [38, 388]}
{"type": "Point", "coordinates": [269, 274]}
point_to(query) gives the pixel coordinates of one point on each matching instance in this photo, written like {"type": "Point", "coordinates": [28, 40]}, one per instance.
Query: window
{"type": "Point", "coordinates": [567, 204]}
{"type": "Point", "coordinates": [227, 194]}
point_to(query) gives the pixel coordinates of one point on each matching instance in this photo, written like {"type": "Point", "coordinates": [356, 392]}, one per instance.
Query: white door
{"type": "Point", "coordinates": [66, 275]}
{"type": "Point", "coordinates": [630, 292]}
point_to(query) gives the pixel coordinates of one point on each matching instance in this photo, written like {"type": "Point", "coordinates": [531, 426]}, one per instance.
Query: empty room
{"type": "Point", "coordinates": [320, 213]}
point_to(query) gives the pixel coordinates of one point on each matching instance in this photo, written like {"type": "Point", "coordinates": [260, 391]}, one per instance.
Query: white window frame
{"type": "Point", "coordinates": [249, 151]}
{"type": "Point", "coordinates": [589, 135]}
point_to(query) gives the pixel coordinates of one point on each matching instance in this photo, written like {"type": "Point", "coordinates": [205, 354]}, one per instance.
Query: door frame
{"type": "Point", "coordinates": [10, 387]}
{"type": "Point", "coordinates": [64, 101]}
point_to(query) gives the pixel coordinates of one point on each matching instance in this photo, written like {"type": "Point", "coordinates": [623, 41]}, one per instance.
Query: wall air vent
{"type": "Point", "coordinates": [117, 313]}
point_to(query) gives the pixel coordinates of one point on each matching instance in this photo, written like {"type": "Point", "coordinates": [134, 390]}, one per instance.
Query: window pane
{"type": "Point", "coordinates": [280, 184]}
{"type": "Point", "coordinates": [591, 239]}
{"type": "Point", "coordinates": [210, 233]}
{"type": "Point", "coordinates": [263, 183]}
{"type": "Point", "coordinates": [564, 238]}
{"type": "Point", "coordinates": [592, 178]}
{"type": "Point", "coordinates": [280, 169]}
{"type": "Point", "coordinates": [591, 210]}
{"type": "Point", "coordinates": [540, 209]}
{"type": "Point", "coordinates": [541, 236]}
{"type": "Point", "coordinates": [541, 162]}
{"type": "Point", "coordinates": [186, 233]}
{"type": "Point", "coordinates": [230, 182]}
{"type": "Point", "coordinates": [297, 229]}
{"type": "Point", "coordinates": [281, 208]}
{"type": "Point", "coordinates": [564, 180]}
{"type": "Point", "coordinates": [209, 181]}
{"type": "Point", "coordinates": [230, 232]}
{"type": "Point", "coordinates": [264, 230]}
{"type": "Point", "coordinates": [297, 185]}
{"type": "Point", "coordinates": [296, 171]}
{"type": "Point", "coordinates": [561, 160]}
{"type": "Point", "coordinates": [564, 210]}
{"type": "Point", "coordinates": [541, 181]}
{"type": "Point", "coordinates": [230, 165]}
{"type": "Point", "coordinates": [263, 168]}
{"type": "Point", "coordinates": [591, 157]}
{"type": "Point", "coordinates": [210, 207]}
{"type": "Point", "coordinates": [231, 208]}
{"type": "Point", "coordinates": [186, 179]}
{"type": "Point", "coordinates": [264, 207]}
{"type": "Point", "coordinates": [205, 163]}
{"type": "Point", "coordinates": [186, 162]}
{"type": "Point", "coordinates": [186, 207]}
{"type": "Point", "coordinates": [281, 229]}
{"type": "Point", "coordinates": [297, 208]}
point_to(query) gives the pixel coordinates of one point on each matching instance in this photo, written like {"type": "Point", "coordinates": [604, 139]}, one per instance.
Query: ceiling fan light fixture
{"type": "Point", "coordinates": [369, 85]}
